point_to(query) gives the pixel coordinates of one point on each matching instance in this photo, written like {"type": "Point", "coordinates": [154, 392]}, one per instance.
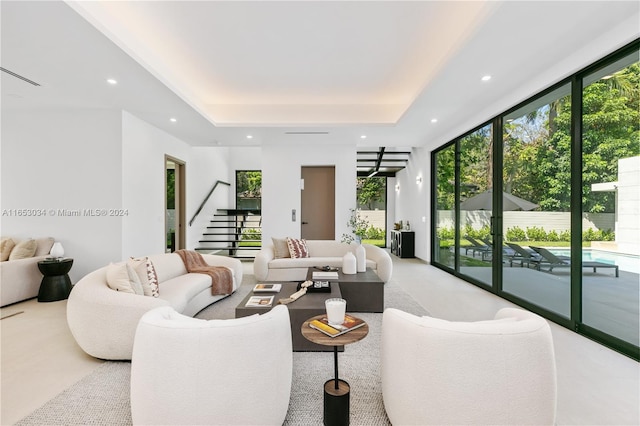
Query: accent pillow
{"type": "Point", "coordinates": [122, 277]}
{"type": "Point", "coordinates": [297, 248]}
{"type": "Point", "coordinates": [147, 274]}
{"type": "Point", "coordinates": [6, 245]}
{"type": "Point", "coordinates": [24, 250]}
{"type": "Point", "coordinates": [280, 248]}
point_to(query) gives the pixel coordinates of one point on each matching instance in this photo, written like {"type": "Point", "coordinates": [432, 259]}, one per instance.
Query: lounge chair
{"type": "Point", "coordinates": [507, 252]}
{"type": "Point", "coordinates": [523, 256]}
{"type": "Point", "coordinates": [477, 247]}
{"type": "Point", "coordinates": [559, 262]}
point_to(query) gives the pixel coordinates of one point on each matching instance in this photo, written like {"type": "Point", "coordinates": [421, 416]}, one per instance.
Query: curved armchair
{"type": "Point", "coordinates": [219, 372]}
{"type": "Point", "coordinates": [498, 372]}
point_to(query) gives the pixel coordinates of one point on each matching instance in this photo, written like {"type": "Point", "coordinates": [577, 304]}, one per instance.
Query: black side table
{"type": "Point", "coordinates": [56, 284]}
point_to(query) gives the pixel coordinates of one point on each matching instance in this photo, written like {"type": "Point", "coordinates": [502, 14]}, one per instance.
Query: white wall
{"type": "Point", "coordinates": [143, 169]}
{"type": "Point", "coordinates": [70, 161]}
{"type": "Point", "coordinates": [281, 171]}
{"type": "Point", "coordinates": [412, 199]}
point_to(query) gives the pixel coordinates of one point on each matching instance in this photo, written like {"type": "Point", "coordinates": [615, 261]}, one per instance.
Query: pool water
{"type": "Point", "coordinates": [626, 262]}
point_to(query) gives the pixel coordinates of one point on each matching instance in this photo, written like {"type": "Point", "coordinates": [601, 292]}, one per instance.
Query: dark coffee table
{"type": "Point", "coordinates": [363, 291]}
{"type": "Point", "coordinates": [309, 305]}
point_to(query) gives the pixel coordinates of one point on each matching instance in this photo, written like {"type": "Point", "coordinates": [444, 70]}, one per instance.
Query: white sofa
{"type": "Point", "coordinates": [495, 372]}
{"type": "Point", "coordinates": [322, 253]}
{"type": "Point", "coordinates": [20, 278]}
{"type": "Point", "coordinates": [187, 371]}
{"type": "Point", "coordinates": [103, 321]}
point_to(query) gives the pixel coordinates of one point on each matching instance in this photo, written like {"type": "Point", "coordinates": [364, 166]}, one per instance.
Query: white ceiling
{"type": "Point", "coordinates": [332, 70]}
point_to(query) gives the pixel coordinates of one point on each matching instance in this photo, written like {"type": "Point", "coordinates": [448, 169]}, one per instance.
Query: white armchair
{"type": "Point", "coordinates": [219, 372]}
{"type": "Point", "coordinates": [498, 372]}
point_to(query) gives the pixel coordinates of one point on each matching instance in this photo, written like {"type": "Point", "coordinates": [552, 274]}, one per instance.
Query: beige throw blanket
{"type": "Point", "coordinates": [221, 277]}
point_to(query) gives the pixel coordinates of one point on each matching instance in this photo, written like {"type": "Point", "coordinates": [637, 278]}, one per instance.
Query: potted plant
{"type": "Point", "coordinates": [358, 227]}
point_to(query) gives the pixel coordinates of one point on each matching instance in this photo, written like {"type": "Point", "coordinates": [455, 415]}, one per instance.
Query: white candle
{"type": "Point", "coordinates": [336, 308]}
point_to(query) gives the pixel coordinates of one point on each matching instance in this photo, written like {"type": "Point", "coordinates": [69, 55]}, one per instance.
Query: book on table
{"type": "Point", "coordinates": [324, 275]}
{"type": "Point", "coordinates": [259, 302]}
{"type": "Point", "coordinates": [350, 323]}
{"type": "Point", "coordinates": [267, 288]}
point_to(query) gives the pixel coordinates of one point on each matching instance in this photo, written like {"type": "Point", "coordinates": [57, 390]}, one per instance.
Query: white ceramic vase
{"type": "Point", "coordinates": [361, 258]}
{"type": "Point", "coordinates": [57, 250]}
{"type": "Point", "coordinates": [349, 264]}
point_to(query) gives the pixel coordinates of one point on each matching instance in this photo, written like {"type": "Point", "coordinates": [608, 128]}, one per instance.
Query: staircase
{"type": "Point", "coordinates": [224, 234]}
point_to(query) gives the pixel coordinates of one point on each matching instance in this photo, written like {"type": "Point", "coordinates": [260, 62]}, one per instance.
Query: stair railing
{"type": "Point", "coordinates": [215, 185]}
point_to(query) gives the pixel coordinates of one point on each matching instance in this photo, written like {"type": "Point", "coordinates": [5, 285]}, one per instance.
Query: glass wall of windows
{"type": "Point", "coordinates": [565, 166]}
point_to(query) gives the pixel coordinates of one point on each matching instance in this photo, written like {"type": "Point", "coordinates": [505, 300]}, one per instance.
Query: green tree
{"type": "Point", "coordinates": [370, 190]}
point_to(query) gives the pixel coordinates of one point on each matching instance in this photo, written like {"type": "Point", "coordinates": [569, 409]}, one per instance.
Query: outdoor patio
{"type": "Point", "coordinates": [609, 304]}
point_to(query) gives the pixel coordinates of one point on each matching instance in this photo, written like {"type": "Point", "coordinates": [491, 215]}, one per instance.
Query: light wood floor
{"type": "Point", "coordinates": [596, 386]}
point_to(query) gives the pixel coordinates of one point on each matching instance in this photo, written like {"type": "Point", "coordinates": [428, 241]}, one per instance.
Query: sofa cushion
{"type": "Point", "coordinates": [122, 277]}
{"type": "Point", "coordinates": [6, 245]}
{"type": "Point", "coordinates": [167, 266]}
{"type": "Point", "coordinates": [147, 274]}
{"type": "Point", "coordinates": [180, 290]}
{"type": "Point", "coordinates": [44, 246]}
{"type": "Point", "coordinates": [297, 248]}
{"type": "Point", "coordinates": [24, 250]}
{"type": "Point", "coordinates": [280, 248]}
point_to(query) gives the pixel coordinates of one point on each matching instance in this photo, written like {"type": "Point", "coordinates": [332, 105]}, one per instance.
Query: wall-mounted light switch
{"type": "Point", "coordinates": [293, 215]}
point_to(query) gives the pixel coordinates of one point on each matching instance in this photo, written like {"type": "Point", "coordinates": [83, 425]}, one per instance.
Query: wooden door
{"type": "Point", "coordinates": [318, 216]}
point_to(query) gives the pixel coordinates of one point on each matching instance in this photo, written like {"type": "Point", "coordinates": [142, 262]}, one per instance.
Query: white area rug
{"type": "Point", "coordinates": [102, 398]}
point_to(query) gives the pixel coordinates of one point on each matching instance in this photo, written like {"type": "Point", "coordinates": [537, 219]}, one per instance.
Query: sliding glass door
{"type": "Point", "coordinates": [536, 207]}
{"type": "Point", "coordinates": [611, 200]}
{"type": "Point", "coordinates": [444, 200]}
{"type": "Point", "coordinates": [476, 205]}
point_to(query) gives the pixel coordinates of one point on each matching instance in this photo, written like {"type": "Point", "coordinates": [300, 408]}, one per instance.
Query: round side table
{"type": "Point", "coordinates": [336, 391]}
{"type": "Point", "coordinates": [56, 284]}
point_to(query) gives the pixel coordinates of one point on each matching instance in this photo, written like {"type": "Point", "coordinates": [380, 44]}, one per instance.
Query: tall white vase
{"type": "Point", "coordinates": [361, 258]}
{"type": "Point", "coordinates": [349, 264]}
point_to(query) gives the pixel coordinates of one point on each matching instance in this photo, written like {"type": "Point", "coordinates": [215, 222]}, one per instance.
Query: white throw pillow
{"type": "Point", "coordinates": [6, 245]}
{"type": "Point", "coordinates": [280, 248]}
{"type": "Point", "coordinates": [122, 277]}
{"type": "Point", "coordinates": [147, 274]}
{"type": "Point", "coordinates": [24, 250]}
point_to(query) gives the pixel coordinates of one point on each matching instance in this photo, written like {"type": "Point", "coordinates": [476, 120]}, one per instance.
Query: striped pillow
{"type": "Point", "coordinates": [297, 248]}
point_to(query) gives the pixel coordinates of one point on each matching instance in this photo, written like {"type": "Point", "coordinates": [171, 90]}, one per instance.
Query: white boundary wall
{"type": "Point", "coordinates": [549, 221]}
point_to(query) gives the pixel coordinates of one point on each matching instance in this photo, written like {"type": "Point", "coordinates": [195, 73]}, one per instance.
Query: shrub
{"type": "Point", "coordinates": [373, 233]}
{"type": "Point", "coordinates": [251, 234]}
{"type": "Point", "coordinates": [516, 234]}
{"type": "Point", "coordinates": [565, 236]}
{"type": "Point", "coordinates": [552, 236]}
{"type": "Point", "coordinates": [446, 233]}
{"type": "Point", "coordinates": [536, 234]}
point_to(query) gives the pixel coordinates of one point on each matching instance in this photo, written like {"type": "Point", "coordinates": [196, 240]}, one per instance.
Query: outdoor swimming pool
{"type": "Point", "coordinates": [626, 262]}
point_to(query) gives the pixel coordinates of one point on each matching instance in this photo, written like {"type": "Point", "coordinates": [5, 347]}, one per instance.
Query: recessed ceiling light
{"type": "Point", "coordinates": [363, 136]}
{"type": "Point", "coordinates": [486, 78]}
{"type": "Point", "coordinates": [112, 81]}
{"type": "Point", "coordinates": [249, 137]}
{"type": "Point", "coordinates": [173, 120]}
{"type": "Point", "coordinates": [434, 120]}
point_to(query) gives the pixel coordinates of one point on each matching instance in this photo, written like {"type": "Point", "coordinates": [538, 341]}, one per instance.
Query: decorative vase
{"type": "Point", "coordinates": [349, 264]}
{"type": "Point", "coordinates": [361, 258]}
{"type": "Point", "coordinates": [57, 250]}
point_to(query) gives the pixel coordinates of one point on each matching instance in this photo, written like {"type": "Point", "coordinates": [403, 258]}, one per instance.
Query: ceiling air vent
{"type": "Point", "coordinates": [306, 133]}
{"type": "Point", "coordinates": [19, 76]}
